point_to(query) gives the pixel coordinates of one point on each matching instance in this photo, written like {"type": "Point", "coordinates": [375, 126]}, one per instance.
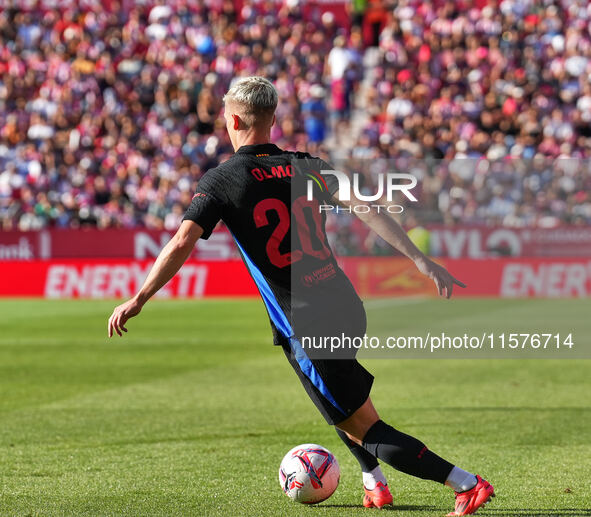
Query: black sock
{"type": "Point", "coordinates": [405, 453]}
{"type": "Point", "coordinates": [367, 462]}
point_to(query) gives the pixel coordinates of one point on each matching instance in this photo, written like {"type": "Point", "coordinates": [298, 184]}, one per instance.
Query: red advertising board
{"type": "Point", "coordinates": [505, 278]}
{"type": "Point", "coordinates": [112, 243]}
{"type": "Point", "coordinates": [482, 241]}
{"type": "Point", "coordinates": [113, 278]}
{"type": "Point", "coordinates": [446, 242]}
{"type": "Point", "coordinates": [373, 277]}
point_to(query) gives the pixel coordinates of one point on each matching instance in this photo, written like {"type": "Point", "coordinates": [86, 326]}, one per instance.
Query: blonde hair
{"type": "Point", "coordinates": [256, 97]}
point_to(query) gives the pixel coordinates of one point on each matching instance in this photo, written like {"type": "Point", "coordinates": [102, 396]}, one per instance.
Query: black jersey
{"type": "Point", "coordinates": [261, 194]}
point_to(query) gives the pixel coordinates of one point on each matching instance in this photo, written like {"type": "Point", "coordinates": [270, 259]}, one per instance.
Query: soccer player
{"type": "Point", "coordinates": [280, 233]}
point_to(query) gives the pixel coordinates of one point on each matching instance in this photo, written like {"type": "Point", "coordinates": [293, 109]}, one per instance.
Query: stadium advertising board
{"type": "Point", "coordinates": [452, 242]}
{"type": "Point", "coordinates": [479, 242]}
{"type": "Point", "coordinates": [505, 278]}
{"type": "Point", "coordinates": [113, 243]}
{"type": "Point", "coordinates": [372, 276]}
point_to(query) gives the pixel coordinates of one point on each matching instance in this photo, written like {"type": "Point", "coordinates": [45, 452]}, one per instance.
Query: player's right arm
{"type": "Point", "coordinates": [200, 219]}
{"type": "Point", "coordinates": [169, 261]}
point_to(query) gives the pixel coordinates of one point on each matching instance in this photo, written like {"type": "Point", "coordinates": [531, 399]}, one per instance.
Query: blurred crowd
{"type": "Point", "coordinates": [109, 116]}
{"type": "Point", "coordinates": [496, 101]}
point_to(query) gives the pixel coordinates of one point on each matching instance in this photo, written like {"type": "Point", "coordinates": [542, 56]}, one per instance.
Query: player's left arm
{"type": "Point", "coordinates": [389, 230]}
{"type": "Point", "coordinates": [169, 261]}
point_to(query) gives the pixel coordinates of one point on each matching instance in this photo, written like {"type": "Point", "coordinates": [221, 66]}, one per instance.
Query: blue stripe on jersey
{"type": "Point", "coordinates": [280, 320]}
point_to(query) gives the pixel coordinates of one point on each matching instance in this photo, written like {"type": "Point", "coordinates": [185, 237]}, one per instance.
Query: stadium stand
{"type": "Point", "coordinates": [109, 117]}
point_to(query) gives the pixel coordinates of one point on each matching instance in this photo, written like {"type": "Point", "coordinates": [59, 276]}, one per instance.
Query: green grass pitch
{"type": "Point", "coordinates": [191, 412]}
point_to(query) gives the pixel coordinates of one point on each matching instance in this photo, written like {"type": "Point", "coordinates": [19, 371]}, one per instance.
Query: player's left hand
{"type": "Point", "coordinates": [121, 314]}
{"type": "Point", "coordinates": [442, 277]}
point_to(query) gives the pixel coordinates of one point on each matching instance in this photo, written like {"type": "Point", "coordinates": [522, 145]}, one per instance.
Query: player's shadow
{"type": "Point", "coordinates": [497, 512]}
{"type": "Point", "coordinates": [540, 512]}
{"type": "Point", "coordinates": [395, 508]}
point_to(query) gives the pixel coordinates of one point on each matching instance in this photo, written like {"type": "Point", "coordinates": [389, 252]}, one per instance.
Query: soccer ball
{"type": "Point", "coordinates": [309, 473]}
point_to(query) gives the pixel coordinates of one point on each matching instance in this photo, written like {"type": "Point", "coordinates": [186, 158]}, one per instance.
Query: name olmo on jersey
{"type": "Point", "coordinates": [387, 185]}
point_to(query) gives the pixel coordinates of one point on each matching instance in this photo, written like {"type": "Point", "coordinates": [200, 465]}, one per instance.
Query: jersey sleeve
{"type": "Point", "coordinates": [207, 205]}
{"type": "Point", "coordinates": [310, 164]}
{"type": "Point", "coordinates": [331, 180]}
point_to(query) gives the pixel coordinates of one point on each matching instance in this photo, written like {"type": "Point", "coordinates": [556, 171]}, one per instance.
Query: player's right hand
{"type": "Point", "coordinates": [121, 314]}
{"type": "Point", "coordinates": [444, 280]}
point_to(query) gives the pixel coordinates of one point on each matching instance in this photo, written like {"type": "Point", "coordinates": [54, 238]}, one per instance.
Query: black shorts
{"type": "Point", "coordinates": [338, 385]}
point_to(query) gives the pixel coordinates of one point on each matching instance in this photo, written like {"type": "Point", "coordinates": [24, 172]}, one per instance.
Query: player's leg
{"type": "Point", "coordinates": [367, 461]}
{"type": "Point", "coordinates": [411, 456]}
{"type": "Point", "coordinates": [348, 385]}
{"type": "Point", "coordinates": [374, 481]}
{"type": "Point", "coordinates": [401, 451]}
{"type": "Point", "coordinates": [341, 388]}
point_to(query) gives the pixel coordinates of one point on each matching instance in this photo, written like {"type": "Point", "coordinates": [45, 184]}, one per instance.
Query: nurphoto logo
{"type": "Point", "coordinates": [386, 183]}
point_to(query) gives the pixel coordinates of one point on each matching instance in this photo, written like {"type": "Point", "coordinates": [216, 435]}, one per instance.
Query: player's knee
{"type": "Point", "coordinates": [356, 429]}
{"type": "Point", "coordinates": [353, 438]}
{"type": "Point", "coordinates": [357, 425]}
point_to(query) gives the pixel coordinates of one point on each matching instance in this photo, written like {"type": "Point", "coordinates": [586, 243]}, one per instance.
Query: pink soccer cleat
{"type": "Point", "coordinates": [469, 501]}
{"type": "Point", "coordinates": [378, 497]}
